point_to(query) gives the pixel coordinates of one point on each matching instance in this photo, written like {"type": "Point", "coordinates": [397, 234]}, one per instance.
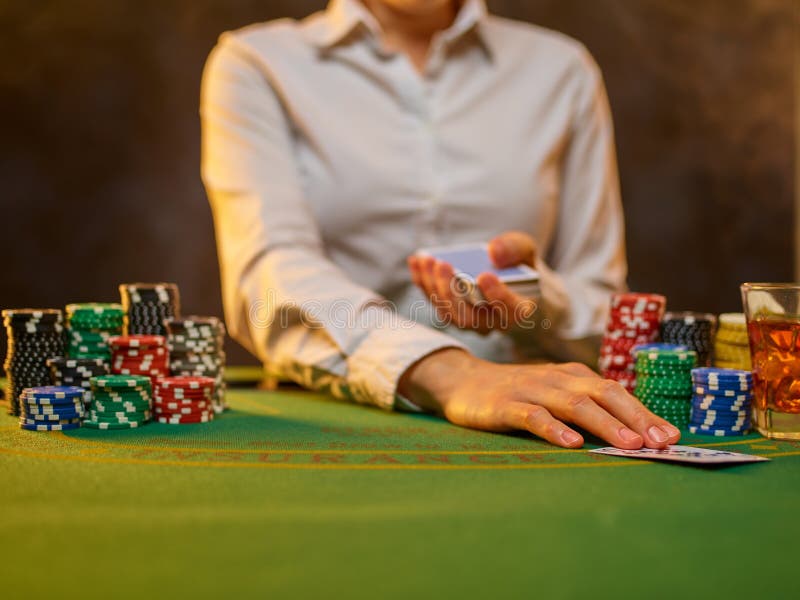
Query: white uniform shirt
{"type": "Point", "coordinates": [329, 160]}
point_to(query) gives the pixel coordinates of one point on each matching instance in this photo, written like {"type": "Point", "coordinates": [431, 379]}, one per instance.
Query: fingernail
{"type": "Point", "coordinates": [570, 437]}
{"type": "Point", "coordinates": [658, 434]}
{"type": "Point", "coordinates": [671, 430]}
{"type": "Point", "coordinates": [499, 251]}
{"type": "Point", "coordinates": [629, 435]}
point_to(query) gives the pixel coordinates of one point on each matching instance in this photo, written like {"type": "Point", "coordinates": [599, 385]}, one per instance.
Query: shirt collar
{"type": "Point", "coordinates": [343, 17]}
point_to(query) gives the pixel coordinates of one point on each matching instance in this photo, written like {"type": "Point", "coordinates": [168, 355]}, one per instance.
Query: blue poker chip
{"type": "Point", "coordinates": [719, 407]}
{"type": "Point", "coordinates": [25, 421]}
{"type": "Point", "coordinates": [698, 430]}
{"type": "Point", "coordinates": [716, 424]}
{"type": "Point", "coordinates": [37, 401]}
{"type": "Point", "coordinates": [52, 403]}
{"type": "Point", "coordinates": [716, 374]}
{"type": "Point", "coordinates": [43, 427]}
{"type": "Point", "coordinates": [727, 427]}
{"type": "Point", "coordinates": [717, 419]}
{"type": "Point", "coordinates": [54, 392]}
{"type": "Point", "coordinates": [53, 416]}
{"type": "Point", "coordinates": [709, 401]}
{"type": "Point", "coordinates": [735, 391]}
{"type": "Point", "coordinates": [48, 409]}
{"type": "Point", "coordinates": [721, 415]}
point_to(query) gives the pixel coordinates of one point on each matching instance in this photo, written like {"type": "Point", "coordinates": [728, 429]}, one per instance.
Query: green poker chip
{"type": "Point", "coordinates": [116, 382]}
{"type": "Point", "coordinates": [135, 418]}
{"type": "Point", "coordinates": [667, 356]}
{"type": "Point", "coordinates": [103, 425]}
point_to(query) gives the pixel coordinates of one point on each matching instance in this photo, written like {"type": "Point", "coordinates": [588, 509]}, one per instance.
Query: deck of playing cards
{"type": "Point", "coordinates": [470, 260]}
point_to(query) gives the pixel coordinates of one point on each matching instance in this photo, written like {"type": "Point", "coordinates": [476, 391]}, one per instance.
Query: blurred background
{"type": "Point", "coordinates": [100, 141]}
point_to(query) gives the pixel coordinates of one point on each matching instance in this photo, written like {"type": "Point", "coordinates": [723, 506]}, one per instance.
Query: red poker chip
{"type": "Point", "coordinates": [621, 346]}
{"type": "Point", "coordinates": [183, 410]}
{"type": "Point", "coordinates": [130, 363]}
{"type": "Point", "coordinates": [138, 352]}
{"type": "Point", "coordinates": [189, 395]}
{"type": "Point", "coordinates": [647, 316]}
{"type": "Point", "coordinates": [185, 419]}
{"type": "Point", "coordinates": [638, 327]}
{"type": "Point", "coordinates": [644, 314]}
{"type": "Point", "coordinates": [634, 334]}
{"type": "Point", "coordinates": [187, 410]}
{"type": "Point", "coordinates": [635, 301]}
{"type": "Point", "coordinates": [145, 368]}
{"type": "Point", "coordinates": [137, 341]}
{"type": "Point", "coordinates": [138, 371]}
{"type": "Point", "coordinates": [182, 401]}
{"type": "Point", "coordinates": [180, 412]}
{"type": "Point", "coordinates": [141, 365]}
{"type": "Point", "coordinates": [616, 361]}
{"type": "Point", "coordinates": [143, 357]}
{"type": "Point", "coordinates": [186, 382]}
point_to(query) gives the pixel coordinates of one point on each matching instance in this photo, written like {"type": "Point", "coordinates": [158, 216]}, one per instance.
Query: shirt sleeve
{"type": "Point", "coordinates": [284, 300]}
{"type": "Point", "coordinates": [586, 262]}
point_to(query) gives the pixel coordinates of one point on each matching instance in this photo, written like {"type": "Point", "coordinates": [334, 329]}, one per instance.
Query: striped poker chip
{"type": "Point", "coordinates": [185, 382]}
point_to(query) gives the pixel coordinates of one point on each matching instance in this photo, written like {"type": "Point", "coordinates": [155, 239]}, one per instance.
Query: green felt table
{"type": "Point", "coordinates": [295, 495]}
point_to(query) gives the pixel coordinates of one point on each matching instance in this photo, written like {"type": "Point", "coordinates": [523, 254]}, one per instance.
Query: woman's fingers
{"type": "Point", "coordinates": [610, 395]}
{"type": "Point", "coordinates": [464, 314]}
{"type": "Point", "coordinates": [539, 421]}
{"type": "Point", "coordinates": [512, 248]}
{"type": "Point", "coordinates": [413, 268]}
{"type": "Point", "coordinates": [443, 274]}
{"type": "Point", "coordinates": [577, 370]}
{"type": "Point", "coordinates": [584, 412]}
{"type": "Point", "coordinates": [426, 265]}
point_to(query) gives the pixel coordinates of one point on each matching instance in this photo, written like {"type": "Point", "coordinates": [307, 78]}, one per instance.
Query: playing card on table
{"type": "Point", "coordinates": [684, 454]}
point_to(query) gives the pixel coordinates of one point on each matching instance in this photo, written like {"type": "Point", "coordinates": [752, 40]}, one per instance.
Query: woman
{"type": "Point", "coordinates": [336, 146]}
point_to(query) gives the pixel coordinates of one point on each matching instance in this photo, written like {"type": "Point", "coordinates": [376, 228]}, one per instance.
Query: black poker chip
{"type": "Point", "coordinates": [196, 348]}
{"type": "Point", "coordinates": [147, 305]}
{"type": "Point", "coordinates": [34, 335]}
{"type": "Point", "coordinates": [691, 329]}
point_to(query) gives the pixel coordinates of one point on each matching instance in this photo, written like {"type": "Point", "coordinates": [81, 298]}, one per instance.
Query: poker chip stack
{"type": "Point", "coordinates": [731, 346]}
{"type": "Point", "coordinates": [147, 305]}
{"type": "Point", "coordinates": [196, 348]}
{"type": "Point", "coordinates": [89, 327]}
{"type": "Point", "coordinates": [139, 355]}
{"type": "Point", "coordinates": [691, 329]}
{"type": "Point", "coordinates": [184, 400]}
{"type": "Point", "coordinates": [721, 402]}
{"type": "Point", "coordinates": [634, 319]}
{"type": "Point", "coordinates": [664, 383]}
{"type": "Point", "coordinates": [51, 408]}
{"type": "Point", "coordinates": [33, 337]}
{"type": "Point", "coordinates": [119, 402]}
{"type": "Point", "coordinates": [77, 372]}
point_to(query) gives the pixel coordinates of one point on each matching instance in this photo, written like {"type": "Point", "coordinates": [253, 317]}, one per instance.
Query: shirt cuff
{"type": "Point", "coordinates": [375, 368]}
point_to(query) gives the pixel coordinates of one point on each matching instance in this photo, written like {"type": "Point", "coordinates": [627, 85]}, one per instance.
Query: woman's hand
{"type": "Point", "coordinates": [502, 309]}
{"type": "Point", "coordinates": [540, 399]}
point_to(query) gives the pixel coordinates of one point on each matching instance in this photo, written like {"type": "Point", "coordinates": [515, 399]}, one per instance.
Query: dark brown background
{"type": "Point", "coordinates": [100, 141]}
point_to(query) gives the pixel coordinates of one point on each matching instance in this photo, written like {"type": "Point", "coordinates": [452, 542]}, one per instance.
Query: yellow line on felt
{"type": "Point", "coordinates": [176, 463]}
{"type": "Point", "coordinates": [346, 451]}
{"type": "Point", "coordinates": [266, 410]}
{"type": "Point", "coordinates": [85, 442]}
{"type": "Point", "coordinates": [793, 453]}
{"type": "Point", "coordinates": [81, 441]}
{"type": "Point", "coordinates": [732, 443]}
